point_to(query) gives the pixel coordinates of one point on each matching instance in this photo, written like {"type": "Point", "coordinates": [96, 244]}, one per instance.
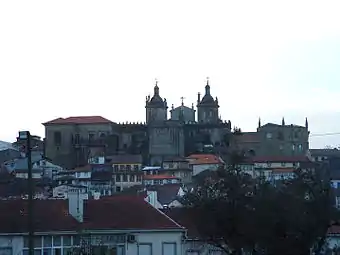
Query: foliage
{"type": "Point", "coordinates": [239, 213]}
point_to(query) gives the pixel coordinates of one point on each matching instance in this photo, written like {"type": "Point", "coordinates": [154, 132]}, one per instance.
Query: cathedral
{"type": "Point", "coordinates": [183, 133]}
{"type": "Point", "coordinates": [71, 141]}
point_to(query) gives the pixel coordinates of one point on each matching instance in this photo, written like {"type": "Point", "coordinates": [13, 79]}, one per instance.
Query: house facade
{"type": "Point", "coordinates": [160, 179]}
{"type": "Point", "coordinates": [203, 162]}
{"type": "Point", "coordinates": [91, 226]}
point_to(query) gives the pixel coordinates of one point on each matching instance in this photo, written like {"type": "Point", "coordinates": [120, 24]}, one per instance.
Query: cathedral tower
{"type": "Point", "coordinates": [156, 107]}
{"type": "Point", "coordinates": [207, 108]}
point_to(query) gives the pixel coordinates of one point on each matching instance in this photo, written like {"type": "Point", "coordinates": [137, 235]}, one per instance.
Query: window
{"type": "Point", "coordinates": [121, 167]}
{"type": "Point", "coordinates": [56, 240]}
{"type": "Point", "coordinates": [118, 178]}
{"type": "Point", "coordinates": [144, 249]}
{"type": "Point", "coordinates": [283, 164]}
{"type": "Point", "coordinates": [91, 136]}
{"type": "Point", "coordinates": [128, 167]}
{"type": "Point", "coordinates": [293, 147]}
{"type": "Point", "coordinates": [118, 189]}
{"type": "Point", "coordinates": [125, 178]}
{"type": "Point", "coordinates": [139, 178]}
{"type": "Point", "coordinates": [300, 147]}
{"type": "Point", "coordinates": [67, 241]}
{"type": "Point", "coordinates": [135, 167]}
{"type": "Point", "coordinates": [57, 138]}
{"type": "Point", "coordinates": [116, 167]}
{"type": "Point", "coordinates": [47, 241]}
{"type": "Point", "coordinates": [6, 251]}
{"type": "Point", "coordinates": [169, 248]}
{"type": "Point", "coordinates": [77, 138]}
{"type": "Point", "coordinates": [269, 135]}
{"type": "Point", "coordinates": [280, 136]}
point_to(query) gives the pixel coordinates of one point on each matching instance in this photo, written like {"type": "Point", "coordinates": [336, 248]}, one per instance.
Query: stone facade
{"type": "Point", "coordinates": [274, 139]}
{"type": "Point", "coordinates": [71, 143]}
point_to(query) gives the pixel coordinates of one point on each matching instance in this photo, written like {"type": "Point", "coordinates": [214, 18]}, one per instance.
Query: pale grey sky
{"type": "Point", "coordinates": [264, 58]}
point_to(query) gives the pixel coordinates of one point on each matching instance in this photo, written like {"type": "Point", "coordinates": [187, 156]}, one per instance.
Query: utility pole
{"type": "Point", "coordinates": [25, 135]}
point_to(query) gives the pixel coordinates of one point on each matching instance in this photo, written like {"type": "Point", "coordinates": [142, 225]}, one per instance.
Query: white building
{"type": "Point", "coordinates": [203, 162]}
{"type": "Point", "coordinates": [136, 228]}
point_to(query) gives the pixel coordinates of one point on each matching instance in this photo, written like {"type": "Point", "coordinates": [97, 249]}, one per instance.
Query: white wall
{"type": "Point", "coordinates": [156, 239]}
{"type": "Point", "coordinates": [196, 169]}
{"type": "Point", "coordinates": [12, 242]}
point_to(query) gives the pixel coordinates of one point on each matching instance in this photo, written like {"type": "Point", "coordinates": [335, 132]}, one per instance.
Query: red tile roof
{"type": "Point", "coordinates": [81, 169]}
{"type": "Point", "coordinates": [116, 212]}
{"type": "Point", "coordinates": [159, 177]}
{"type": "Point", "coordinates": [278, 159]}
{"type": "Point", "coordinates": [79, 120]}
{"type": "Point", "coordinates": [14, 218]}
{"type": "Point", "coordinates": [125, 212]}
{"type": "Point", "coordinates": [201, 159]}
{"type": "Point", "coordinates": [184, 217]}
{"type": "Point", "coordinates": [283, 170]}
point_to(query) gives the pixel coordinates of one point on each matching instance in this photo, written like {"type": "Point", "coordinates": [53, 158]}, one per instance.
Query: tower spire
{"type": "Point", "coordinates": [207, 87]}
{"type": "Point", "coordinates": [306, 123]}
{"type": "Point", "coordinates": [259, 122]}
{"type": "Point", "coordinates": [156, 88]}
{"type": "Point", "coordinates": [283, 121]}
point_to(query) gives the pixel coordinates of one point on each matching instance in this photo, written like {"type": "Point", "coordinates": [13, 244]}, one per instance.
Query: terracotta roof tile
{"type": "Point", "coordinates": [79, 120]}
{"type": "Point", "coordinates": [283, 170]}
{"type": "Point", "coordinates": [115, 212]}
{"type": "Point", "coordinates": [125, 212]}
{"type": "Point", "coordinates": [184, 217]}
{"type": "Point", "coordinates": [200, 159]}
{"type": "Point", "coordinates": [14, 218]}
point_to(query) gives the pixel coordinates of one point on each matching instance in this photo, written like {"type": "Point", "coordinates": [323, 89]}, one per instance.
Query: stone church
{"type": "Point", "coordinates": [71, 141]}
{"type": "Point", "coordinates": [183, 133]}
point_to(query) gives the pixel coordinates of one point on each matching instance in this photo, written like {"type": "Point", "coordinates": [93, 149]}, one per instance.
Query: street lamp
{"type": "Point", "coordinates": [26, 136]}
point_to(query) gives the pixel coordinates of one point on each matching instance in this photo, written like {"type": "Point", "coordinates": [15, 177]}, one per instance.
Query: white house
{"type": "Point", "coordinates": [136, 228]}
{"type": "Point", "coordinates": [203, 162]}
{"type": "Point", "coordinates": [160, 179]}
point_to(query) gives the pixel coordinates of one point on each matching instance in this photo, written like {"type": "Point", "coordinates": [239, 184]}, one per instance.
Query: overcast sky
{"type": "Point", "coordinates": [265, 59]}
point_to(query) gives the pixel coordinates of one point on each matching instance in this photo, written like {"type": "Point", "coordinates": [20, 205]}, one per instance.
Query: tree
{"type": "Point", "coordinates": [238, 213]}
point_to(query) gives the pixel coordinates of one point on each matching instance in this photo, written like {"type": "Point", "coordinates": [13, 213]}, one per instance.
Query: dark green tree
{"type": "Point", "coordinates": [241, 214]}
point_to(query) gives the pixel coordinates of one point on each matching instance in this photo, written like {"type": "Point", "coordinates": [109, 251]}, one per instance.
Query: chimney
{"type": "Point", "coordinates": [152, 198]}
{"type": "Point", "coordinates": [198, 98]}
{"type": "Point", "coordinates": [76, 204]}
{"type": "Point", "coordinates": [96, 195]}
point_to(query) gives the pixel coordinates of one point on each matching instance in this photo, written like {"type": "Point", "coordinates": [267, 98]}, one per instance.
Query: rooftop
{"type": "Point", "coordinates": [200, 159]}
{"type": "Point", "coordinates": [114, 213]}
{"type": "Point", "coordinates": [79, 120]}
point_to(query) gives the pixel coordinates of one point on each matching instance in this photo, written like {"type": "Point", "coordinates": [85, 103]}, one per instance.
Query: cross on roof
{"type": "Point", "coordinates": [182, 98]}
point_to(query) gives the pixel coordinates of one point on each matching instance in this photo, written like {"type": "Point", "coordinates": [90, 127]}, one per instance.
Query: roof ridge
{"type": "Point", "coordinates": [172, 220]}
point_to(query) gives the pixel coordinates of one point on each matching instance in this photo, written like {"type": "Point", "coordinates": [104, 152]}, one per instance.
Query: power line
{"type": "Point", "coordinates": [325, 134]}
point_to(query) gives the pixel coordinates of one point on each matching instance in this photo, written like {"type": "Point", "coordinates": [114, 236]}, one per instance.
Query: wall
{"type": "Point", "coordinates": [200, 168]}
{"type": "Point", "coordinates": [11, 242]}
{"type": "Point", "coordinates": [60, 153]}
{"type": "Point", "coordinates": [165, 141]}
{"type": "Point", "coordinates": [156, 239]}
{"type": "Point", "coordinates": [283, 140]}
